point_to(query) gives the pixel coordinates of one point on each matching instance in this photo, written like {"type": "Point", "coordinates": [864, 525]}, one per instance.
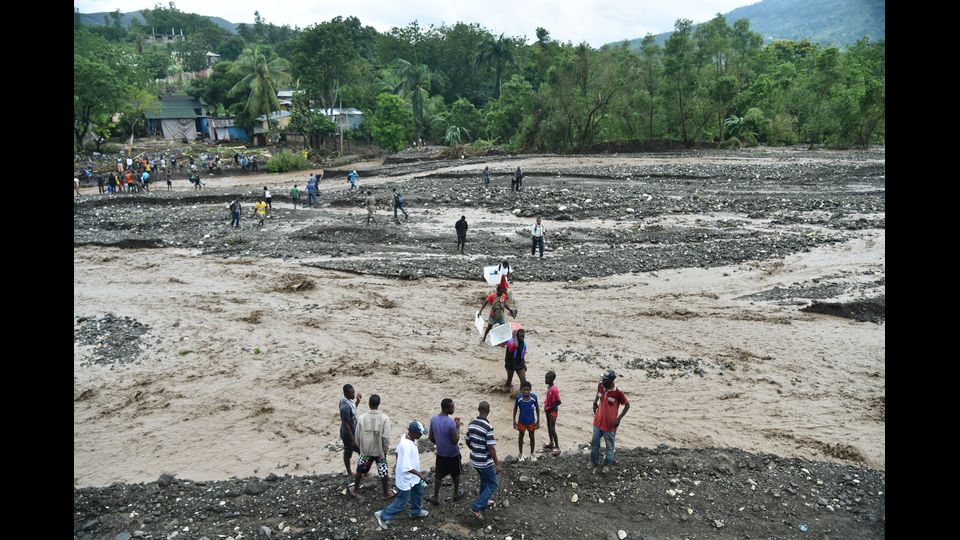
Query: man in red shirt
{"type": "Point", "coordinates": [498, 303]}
{"type": "Point", "coordinates": [605, 419]}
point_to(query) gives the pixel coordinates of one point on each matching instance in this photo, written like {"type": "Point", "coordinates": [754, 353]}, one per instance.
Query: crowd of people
{"type": "Point", "coordinates": [369, 435]}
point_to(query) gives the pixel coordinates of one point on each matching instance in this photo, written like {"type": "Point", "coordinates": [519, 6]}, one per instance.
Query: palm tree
{"type": "Point", "coordinates": [499, 52]}
{"type": "Point", "coordinates": [262, 79]}
{"type": "Point", "coordinates": [415, 85]}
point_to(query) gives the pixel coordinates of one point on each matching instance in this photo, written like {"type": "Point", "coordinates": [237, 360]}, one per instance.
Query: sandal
{"type": "Point", "coordinates": [478, 515]}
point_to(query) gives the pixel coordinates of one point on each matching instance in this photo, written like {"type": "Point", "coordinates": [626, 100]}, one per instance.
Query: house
{"type": "Point", "coordinates": [153, 38]}
{"type": "Point", "coordinates": [177, 117]}
{"type": "Point", "coordinates": [347, 118]}
{"type": "Point", "coordinates": [223, 128]}
{"type": "Point", "coordinates": [286, 99]}
{"type": "Point", "coordinates": [278, 121]}
{"type": "Point", "coordinates": [212, 58]}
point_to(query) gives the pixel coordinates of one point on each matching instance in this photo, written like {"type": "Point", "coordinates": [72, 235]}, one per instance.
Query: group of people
{"type": "Point", "coordinates": [397, 202]}
{"type": "Point", "coordinates": [369, 436]}
{"type": "Point", "coordinates": [261, 208]}
{"type": "Point", "coordinates": [516, 180]}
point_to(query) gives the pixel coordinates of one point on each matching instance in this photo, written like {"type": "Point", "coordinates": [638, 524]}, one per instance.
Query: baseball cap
{"type": "Point", "coordinates": [417, 426]}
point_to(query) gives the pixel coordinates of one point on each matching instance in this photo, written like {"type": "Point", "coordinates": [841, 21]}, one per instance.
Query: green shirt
{"type": "Point", "coordinates": [294, 193]}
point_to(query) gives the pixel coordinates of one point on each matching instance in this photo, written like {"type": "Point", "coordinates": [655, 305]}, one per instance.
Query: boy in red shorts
{"type": "Point", "coordinates": [526, 404]}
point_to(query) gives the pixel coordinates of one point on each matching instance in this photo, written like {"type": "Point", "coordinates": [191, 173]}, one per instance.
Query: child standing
{"type": "Point", "coordinates": [526, 404]}
{"type": "Point", "coordinates": [261, 209]}
{"type": "Point", "coordinates": [551, 405]}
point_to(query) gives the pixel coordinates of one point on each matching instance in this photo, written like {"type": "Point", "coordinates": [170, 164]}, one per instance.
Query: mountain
{"type": "Point", "coordinates": [826, 22]}
{"type": "Point", "coordinates": [96, 19]}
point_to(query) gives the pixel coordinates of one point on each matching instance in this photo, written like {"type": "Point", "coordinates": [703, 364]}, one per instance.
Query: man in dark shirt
{"type": "Point", "coordinates": [348, 424]}
{"type": "Point", "coordinates": [461, 227]}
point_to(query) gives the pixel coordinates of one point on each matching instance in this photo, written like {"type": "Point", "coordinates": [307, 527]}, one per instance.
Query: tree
{"type": "Point", "coordinates": [678, 68]}
{"type": "Point", "coordinates": [97, 90]}
{"type": "Point", "coordinates": [323, 60]}
{"type": "Point", "coordinates": [261, 79]}
{"type": "Point", "coordinates": [314, 124]}
{"type": "Point", "coordinates": [392, 123]}
{"type": "Point", "coordinates": [498, 52]}
{"type": "Point", "coordinates": [415, 83]}
{"type": "Point", "coordinates": [137, 103]}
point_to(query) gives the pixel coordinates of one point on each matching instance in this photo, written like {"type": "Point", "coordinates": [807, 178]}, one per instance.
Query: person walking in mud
{"type": "Point", "coordinates": [235, 208]}
{"type": "Point", "coordinates": [371, 207]}
{"type": "Point", "coordinates": [444, 432]}
{"type": "Point", "coordinates": [398, 205]}
{"type": "Point", "coordinates": [348, 424]}
{"type": "Point", "coordinates": [76, 186]}
{"type": "Point", "coordinates": [295, 196]}
{"type": "Point", "coordinates": [483, 458]}
{"type": "Point", "coordinates": [373, 440]}
{"type": "Point", "coordinates": [268, 198]}
{"type": "Point", "coordinates": [461, 227]}
{"type": "Point", "coordinates": [605, 419]}
{"type": "Point", "coordinates": [260, 209]}
{"type": "Point", "coordinates": [498, 307]}
{"type": "Point", "coordinates": [169, 180]}
{"type": "Point", "coordinates": [352, 178]}
{"type": "Point", "coordinates": [537, 236]}
{"type": "Point", "coordinates": [486, 176]}
{"type": "Point", "coordinates": [517, 179]}
{"type": "Point", "coordinates": [100, 184]}
{"type": "Point", "coordinates": [515, 358]}
{"type": "Point", "coordinates": [311, 193]}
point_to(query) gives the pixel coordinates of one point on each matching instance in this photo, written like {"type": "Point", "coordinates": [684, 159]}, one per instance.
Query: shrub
{"type": "Point", "coordinates": [286, 161]}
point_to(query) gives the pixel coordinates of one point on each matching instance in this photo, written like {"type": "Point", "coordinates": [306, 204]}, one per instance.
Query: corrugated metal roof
{"type": "Point", "coordinates": [176, 107]}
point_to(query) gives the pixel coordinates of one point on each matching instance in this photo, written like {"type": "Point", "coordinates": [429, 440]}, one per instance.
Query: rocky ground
{"type": "Point", "coordinates": [182, 378]}
{"type": "Point", "coordinates": [652, 493]}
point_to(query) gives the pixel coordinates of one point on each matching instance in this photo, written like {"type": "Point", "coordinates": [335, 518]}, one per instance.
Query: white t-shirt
{"type": "Point", "coordinates": [536, 230]}
{"type": "Point", "coordinates": [408, 458]}
{"type": "Point", "coordinates": [266, 194]}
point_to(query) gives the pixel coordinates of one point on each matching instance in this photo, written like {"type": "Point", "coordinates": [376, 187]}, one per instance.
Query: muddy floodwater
{"type": "Point", "coordinates": [738, 295]}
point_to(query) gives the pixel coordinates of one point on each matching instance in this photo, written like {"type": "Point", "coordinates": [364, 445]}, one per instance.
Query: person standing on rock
{"type": "Point", "coordinates": [409, 478]}
{"type": "Point", "coordinates": [352, 178]}
{"type": "Point", "coordinates": [483, 458]}
{"type": "Point", "coordinates": [100, 183]}
{"type": "Point", "coordinates": [295, 196]}
{"type": "Point", "coordinates": [551, 407]}
{"type": "Point", "coordinates": [444, 432]}
{"type": "Point", "coordinates": [235, 209]}
{"type": "Point", "coordinates": [517, 179]}
{"type": "Point", "coordinates": [526, 403]}
{"type": "Point", "coordinates": [537, 236]}
{"type": "Point", "coordinates": [461, 227]}
{"type": "Point", "coordinates": [398, 205]}
{"type": "Point", "coordinates": [605, 419]}
{"type": "Point", "coordinates": [348, 424]}
{"type": "Point", "coordinates": [371, 207]}
{"type": "Point", "coordinates": [373, 439]}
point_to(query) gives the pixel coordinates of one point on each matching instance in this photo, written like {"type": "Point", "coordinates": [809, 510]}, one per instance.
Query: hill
{"type": "Point", "coordinates": [826, 22]}
{"type": "Point", "coordinates": [97, 19]}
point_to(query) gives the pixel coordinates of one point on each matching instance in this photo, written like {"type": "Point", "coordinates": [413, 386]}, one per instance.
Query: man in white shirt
{"type": "Point", "coordinates": [537, 234]}
{"type": "Point", "coordinates": [409, 478]}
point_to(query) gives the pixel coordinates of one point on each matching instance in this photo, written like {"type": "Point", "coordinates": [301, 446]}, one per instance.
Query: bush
{"type": "Point", "coordinates": [287, 161]}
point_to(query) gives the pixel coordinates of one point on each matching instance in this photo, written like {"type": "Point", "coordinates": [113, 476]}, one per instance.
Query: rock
{"type": "Point", "coordinates": [621, 534]}
{"type": "Point", "coordinates": [90, 524]}
{"type": "Point", "coordinates": [265, 531]}
{"type": "Point", "coordinates": [271, 478]}
{"type": "Point", "coordinates": [123, 536]}
{"type": "Point", "coordinates": [506, 503]}
{"type": "Point", "coordinates": [630, 210]}
{"type": "Point", "coordinates": [166, 480]}
{"type": "Point", "coordinates": [256, 487]}
{"type": "Point", "coordinates": [575, 498]}
{"type": "Point", "coordinates": [718, 524]}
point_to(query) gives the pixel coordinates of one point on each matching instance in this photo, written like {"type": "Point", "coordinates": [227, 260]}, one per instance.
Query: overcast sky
{"type": "Point", "coordinates": [595, 21]}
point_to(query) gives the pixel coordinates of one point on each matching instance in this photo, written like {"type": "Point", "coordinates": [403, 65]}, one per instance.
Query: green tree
{"type": "Point", "coordinates": [98, 90]}
{"type": "Point", "coordinates": [392, 123]}
{"type": "Point", "coordinates": [415, 83]}
{"type": "Point", "coordinates": [261, 78]}
{"type": "Point", "coordinates": [678, 62]}
{"type": "Point", "coordinates": [499, 53]}
{"type": "Point", "coordinates": [137, 103]}
{"type": "Point", "coordinates": [323, 60]}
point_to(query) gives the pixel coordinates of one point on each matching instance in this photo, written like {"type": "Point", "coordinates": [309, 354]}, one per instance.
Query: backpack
{"type": "Point", "coordinates": [398, 198]}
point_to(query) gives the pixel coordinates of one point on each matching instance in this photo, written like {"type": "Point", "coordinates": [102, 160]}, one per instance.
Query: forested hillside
{"type": "Point", "coordinates": [716, 83]}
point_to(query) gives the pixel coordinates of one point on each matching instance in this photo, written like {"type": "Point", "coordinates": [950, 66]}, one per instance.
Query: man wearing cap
{"type": "Point", "coordinates": [605, 419]}
{"type": "Point", "coordinates": [409, 478]}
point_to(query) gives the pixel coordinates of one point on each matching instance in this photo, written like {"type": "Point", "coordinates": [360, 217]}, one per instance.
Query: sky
{"type": "Point", "coordinates": [595, 21]}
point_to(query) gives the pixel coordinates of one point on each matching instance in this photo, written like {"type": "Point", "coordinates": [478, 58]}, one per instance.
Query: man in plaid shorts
{"type": "Point", "coordinates": [373, 438]}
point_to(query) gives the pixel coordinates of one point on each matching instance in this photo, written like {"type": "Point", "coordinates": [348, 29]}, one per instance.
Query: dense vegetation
{"type": "Point", "coordinates": [708, 84]}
